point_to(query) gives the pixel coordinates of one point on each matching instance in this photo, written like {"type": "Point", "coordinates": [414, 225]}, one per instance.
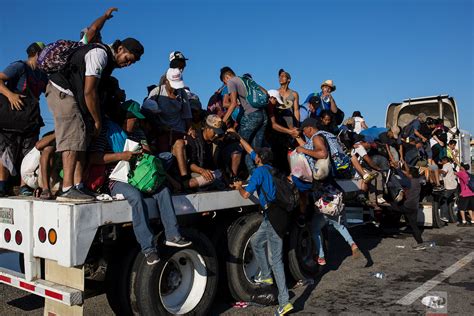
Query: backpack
{"type": "Point", "coordinates": [147, 173]}
{"type": "Point", "coordinates": [330, 202]}
{"type": "Point", "coordinates": [255, 96]}
{"type": "Point", "coordinates": [287, 195]}
{"type": "Point", "coordinates": [25, 121]}
{"type": "Point", "coordinates": [340, 162]}
{"type": "Point", "coordinates": [55, 55]}
{"type": "Point", "coordinates": [407, 130]}
{"type": "Point", "coordinates": [470, 183]}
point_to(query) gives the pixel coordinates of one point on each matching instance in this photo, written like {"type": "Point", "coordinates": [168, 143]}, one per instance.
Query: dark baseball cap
{"type": "Point", "coordinates": [309, 122]}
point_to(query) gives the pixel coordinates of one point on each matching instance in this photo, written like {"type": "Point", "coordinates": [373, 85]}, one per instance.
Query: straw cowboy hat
{"type": "Point", "coordinates": [330, 84]}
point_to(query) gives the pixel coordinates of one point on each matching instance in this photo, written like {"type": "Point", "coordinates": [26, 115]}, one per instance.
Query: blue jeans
{"type": "Point", "coordinates": [140, 214]}
{"type": "Point", "coordinates": [318, 222]}
{"type": "Point", "coordinates": [266, 234]}
{"type": "Point", "coordinates": [252, 129]}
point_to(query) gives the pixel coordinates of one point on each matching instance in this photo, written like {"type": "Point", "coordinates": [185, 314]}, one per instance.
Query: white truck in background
{"type": "Point", "coordinates": [67, 248]}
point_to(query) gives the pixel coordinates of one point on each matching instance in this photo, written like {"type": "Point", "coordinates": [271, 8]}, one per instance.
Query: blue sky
{"type": "Point", "coordinates": [377, 51]}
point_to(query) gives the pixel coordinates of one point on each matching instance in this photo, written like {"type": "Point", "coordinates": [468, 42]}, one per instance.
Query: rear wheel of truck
{"type": "Point", "coordinates": [452, 212]}
{"type": "Point", "coordinates": [118, 280]}
{"type": "Point", "coordinates": [436, 213]}
{"type": "Point", "coordinates": [184, 282]}
{"type": "Point", "coordinates": [241, 263]}
{"type": "Point", "coordinates": [302, 250]}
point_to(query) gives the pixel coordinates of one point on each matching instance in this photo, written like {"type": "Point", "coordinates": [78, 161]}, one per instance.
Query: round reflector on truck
{"type": "Point", "coordinates": [52, 236]}
{"type": "Point", "coordinates": [42, 234]}
{"type": "Point", "coordinates": [7, 235]}
{"type": "Point", "coordinates": [18, 237]}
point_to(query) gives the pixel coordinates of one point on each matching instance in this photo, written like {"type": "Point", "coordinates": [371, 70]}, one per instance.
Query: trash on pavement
{"type": "Point", "coordinates": [378, 275]}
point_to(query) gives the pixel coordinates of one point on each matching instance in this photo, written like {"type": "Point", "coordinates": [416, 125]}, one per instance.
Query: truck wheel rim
{"type": "Point", "coordinates": [250, 265]}
{"type": "Point", "coordinates": [183, 281]}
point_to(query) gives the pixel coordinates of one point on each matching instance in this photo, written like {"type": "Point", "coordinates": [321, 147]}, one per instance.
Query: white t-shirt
{"type": "Point", "coordinates": [450, 182]}
{"type": "Point", "coordinates": [96, 60]}
{"type": "Point", "coordinates": [358, 124]}
{"type": "Point", "coordinates": [359, 152]}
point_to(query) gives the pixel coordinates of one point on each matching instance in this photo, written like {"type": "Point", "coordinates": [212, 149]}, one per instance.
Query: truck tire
{"type": "Point", "coordinates": [452, 212]}
{"type": "Point", "coordinates": [184, 282]}
{"type": "Point", "coordinates": [117, 281]}
{"type": "Point", "coordinates": [437, 222]}
{"type": "Point", "coordinates": [302, 250]}
{"type": "Point", "coordinates": [241, 264]}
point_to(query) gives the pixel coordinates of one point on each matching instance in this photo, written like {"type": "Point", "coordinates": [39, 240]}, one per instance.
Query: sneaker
{"type": "Point", "coordinates": [399, 196]}
{"type": "Point", "coordinates": [152, 258]}
{"type": "Point", "coordinates": [74, 195]}
{"type": "Point", "coordinates": [282, 310]}
{"type": "Point", "coordinates": [419, 247]}
{"type": "Point", "coordinates": [301, 221]}
{"type": "Point", "coordinates": [463, 224]}
{"type": "Point", "coordinates": [321, 261]}
{"type": "Point", "coordinates": [82, 188]}
{"type": "Point", "coordinates": [444, 219]}
{"type": "Point", "coordinates": [179, 242]}
{"type": "Point", "coordinates": [259, 280]}
{"type": "Point", "coordinates": [25, 191]}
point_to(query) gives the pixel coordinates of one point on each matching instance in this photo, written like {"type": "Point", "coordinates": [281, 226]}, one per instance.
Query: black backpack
{"type": "Point", "coordinates": [287, 195]}
{"type": "Point", "coordinates": [470, 182]}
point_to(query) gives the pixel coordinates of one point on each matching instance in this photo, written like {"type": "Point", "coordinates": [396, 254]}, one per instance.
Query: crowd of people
{"type": "Point", "coordinates": [244, 135]}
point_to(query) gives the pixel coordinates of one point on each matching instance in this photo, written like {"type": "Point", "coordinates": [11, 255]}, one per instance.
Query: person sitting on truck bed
{"type": "Point", "coordinates": [170, 105]}
{"type": "Point", "coordinates": [366, 170]}
{"type": "Point", "coordinates": [101, 153]}
{"type": "Point", "coordinates": [273, 227]}
{"type": "Point", "coordinates": [200, 153]}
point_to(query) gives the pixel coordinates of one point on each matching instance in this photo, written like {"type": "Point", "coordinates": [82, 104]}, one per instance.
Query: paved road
{"type": "Point", "coordinates": [345, 286]}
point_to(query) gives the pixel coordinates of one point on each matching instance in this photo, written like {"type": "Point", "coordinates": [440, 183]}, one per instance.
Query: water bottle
{"type": "Point", "coordinates": [378, 275]}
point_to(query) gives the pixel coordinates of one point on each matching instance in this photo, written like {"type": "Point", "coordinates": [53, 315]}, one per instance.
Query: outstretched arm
{"type": "Point", "coordinates": [243, 142]}
{"type": "Point", "coordinates": [98, 24]}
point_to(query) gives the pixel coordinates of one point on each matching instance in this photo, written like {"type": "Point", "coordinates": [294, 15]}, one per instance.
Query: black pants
{"type": "Point", "coordinates": [411, 217]}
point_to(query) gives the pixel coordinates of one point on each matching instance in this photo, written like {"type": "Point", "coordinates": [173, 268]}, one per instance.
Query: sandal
{"type": "Point", "coordinates": [46, 195]}
{"type": "Point", "coordinates": [321, 261]}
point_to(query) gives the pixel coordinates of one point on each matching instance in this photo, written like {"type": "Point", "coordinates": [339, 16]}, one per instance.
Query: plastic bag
{"type": "Point", "coordinates": [300, 167]}
{"type": "Point", "coordinates": [121, 170]}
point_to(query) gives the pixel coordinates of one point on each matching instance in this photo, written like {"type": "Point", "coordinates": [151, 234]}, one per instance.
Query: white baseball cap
{"type": "Point", "coordinates": [175, 78]}
{"type": "Point", "coordinates": [276, 95]}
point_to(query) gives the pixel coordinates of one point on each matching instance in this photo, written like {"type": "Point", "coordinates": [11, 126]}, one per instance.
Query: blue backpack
{"type": "Point", "coordinates": [255, 96]}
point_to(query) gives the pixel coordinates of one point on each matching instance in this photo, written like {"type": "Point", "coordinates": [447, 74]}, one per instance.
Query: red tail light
{"type": "Point", "coordinates": [7, 235]}
{"type": "Point", "coordinates": [18, 237]}
{"type": "Point", "coordinates": [42, 234]}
